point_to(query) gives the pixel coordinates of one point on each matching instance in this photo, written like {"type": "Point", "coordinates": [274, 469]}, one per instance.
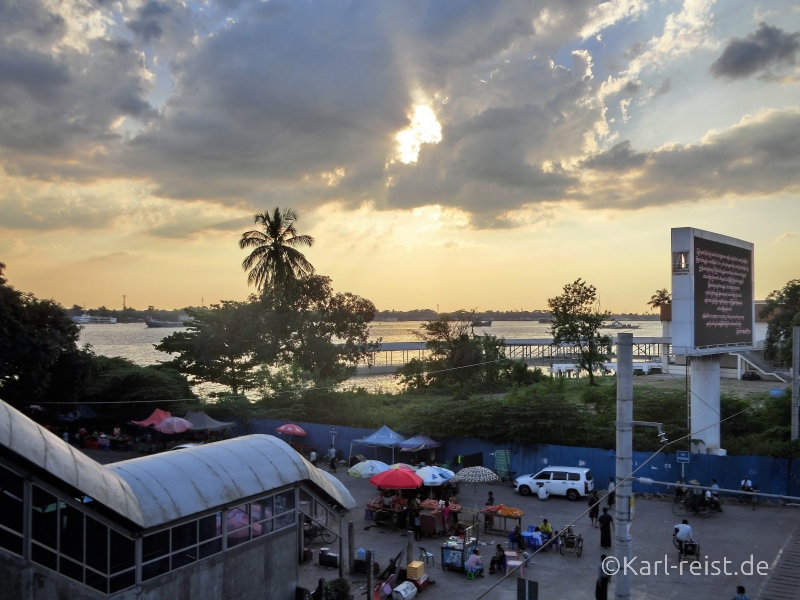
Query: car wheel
{"type": "Point", "coordinates": [573, 495]}
{"type": "Point", "coordinates": [524, 490]}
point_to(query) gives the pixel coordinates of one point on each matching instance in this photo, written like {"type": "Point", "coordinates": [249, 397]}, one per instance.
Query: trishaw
{"type": "Point", "coordinates": [571, 541]}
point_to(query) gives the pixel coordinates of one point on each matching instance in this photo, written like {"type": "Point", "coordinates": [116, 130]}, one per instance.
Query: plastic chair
{"type": "Point", "coordinates": [531, 528]}
{"type": "Point", "coordinates": [471, 573]}
{"type": "Point", "coordinates": [425, 555]}
{"type": "Point", "coordinates": [511, 543]}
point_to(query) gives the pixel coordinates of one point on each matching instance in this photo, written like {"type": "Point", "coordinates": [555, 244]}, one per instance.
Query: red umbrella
{"type": "Point", "coordinates": [397, 479]}
{"type": "Point", "coordinates": [291, 429]}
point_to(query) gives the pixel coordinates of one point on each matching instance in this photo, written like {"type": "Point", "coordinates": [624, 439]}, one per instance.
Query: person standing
{"type": "Point", "coordinates": [312, 457]}
{"type": "Point", "coordinates": [612, 495]}
{"type": "Point", "coordinates": [332, 455]}
{"type": "Point", "coordinates": [603, 579]}
{"type": "Point", "coordinates": [606, 523]}
{"type": "Point", "coordinates": [489, 520]}
{"type": "Point", "coordinates": [740, 594]}
{"type": "Point", "coordinates": [594, 507]}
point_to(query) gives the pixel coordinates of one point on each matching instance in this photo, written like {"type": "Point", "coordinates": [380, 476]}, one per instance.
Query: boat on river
{"type": "Point", "coordinates": [87, 319]}
{"type": "Point", "coordinates": [165, 324]}
{"type": "Point", "coordinates": [619, 325]}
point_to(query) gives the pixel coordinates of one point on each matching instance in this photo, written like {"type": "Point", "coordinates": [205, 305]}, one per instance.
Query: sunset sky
{"type": "Point", "coordinates": [465, 154]}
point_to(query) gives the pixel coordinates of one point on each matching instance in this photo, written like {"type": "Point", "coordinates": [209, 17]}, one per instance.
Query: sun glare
{"type": "Point", "coordinates": [424, 129]}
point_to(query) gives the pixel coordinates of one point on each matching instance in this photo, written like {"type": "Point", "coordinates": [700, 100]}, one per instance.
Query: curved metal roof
{"type": "Point", "coordinates": [153, 490]}
{"type": "Point", "coordinates": [172, 485]}
{"type": "Point", "coordinates": [30, 440]}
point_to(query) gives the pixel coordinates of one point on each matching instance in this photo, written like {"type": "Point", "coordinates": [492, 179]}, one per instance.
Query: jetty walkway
{"type": "Point", "coordinates": [536, 352]}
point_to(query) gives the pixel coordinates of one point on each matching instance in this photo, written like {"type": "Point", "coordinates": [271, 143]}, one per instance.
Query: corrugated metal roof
{"type": "Point", "coordinates": [30, 440]}
{"type": "Point", "coordinates": [157, 489]}
{"type": "Point", "coordinates": [172, 485]}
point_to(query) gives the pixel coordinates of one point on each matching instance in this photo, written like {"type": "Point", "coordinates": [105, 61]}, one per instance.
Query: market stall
{"type": "Point", "coordinates": [496, 518]}
{"type": "Point", "coordinates": [456, 550]}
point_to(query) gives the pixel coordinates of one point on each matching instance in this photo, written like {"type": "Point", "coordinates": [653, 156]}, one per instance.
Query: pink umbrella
{"type": "Point", "coordinates": [173, 425]}
{"type": "Point", "coordinates": [291, 429]}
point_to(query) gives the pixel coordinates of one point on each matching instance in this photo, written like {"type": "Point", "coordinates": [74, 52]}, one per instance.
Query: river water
{"type": "Point", "coordinates": [136, 341]}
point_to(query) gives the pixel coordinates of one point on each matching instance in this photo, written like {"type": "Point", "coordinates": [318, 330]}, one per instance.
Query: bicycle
{"type": "Point", "coordinates": [313, 529]}
{"type": "Point", "coordinates": [509, 478]}
{"type": "Point", "coordinates": [692, 503]}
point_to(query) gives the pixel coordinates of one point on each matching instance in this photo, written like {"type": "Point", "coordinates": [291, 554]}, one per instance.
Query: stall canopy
{"type": "Point", "coordinates": [418, 442]}
{"type": "Point", "coordinates": [384, 437]}
{"type": "Point", "coordinates": [154, 419]}
{"type": "Point", "coordinates": [202, 422]}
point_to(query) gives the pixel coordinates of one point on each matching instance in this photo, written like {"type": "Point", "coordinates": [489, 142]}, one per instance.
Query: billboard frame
{"type": "Point", "coordinates": [712, 291]}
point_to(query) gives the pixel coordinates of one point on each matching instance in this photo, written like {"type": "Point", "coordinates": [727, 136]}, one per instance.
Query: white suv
{"type": "Point", "coordinates": [572, 482]}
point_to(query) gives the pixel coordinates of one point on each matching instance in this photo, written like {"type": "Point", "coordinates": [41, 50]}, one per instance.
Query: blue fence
{"type": "Point", "coordinates": [772, 475]}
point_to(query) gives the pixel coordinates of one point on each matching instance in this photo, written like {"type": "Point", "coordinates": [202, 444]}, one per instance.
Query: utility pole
{"type": "Point", "coordinates": [624, 462]}
{"type": "Point", "coordinates": [124, 297]}
{"type": "Point", "coordinates": [795, 380]}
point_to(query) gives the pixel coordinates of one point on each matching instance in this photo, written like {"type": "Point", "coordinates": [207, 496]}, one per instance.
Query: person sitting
{"type": "Point", "coordinates": [474, 563]}
{"type": "Point", "coordinates": [746, 485]}
{"type": "Point", "coordinates": [498, 560]}
{"type": "Point", "coordinates": [460, 531]}
{"type": "Point", "coordinates": [714, 496]}
{"type": "Point", "coordinates": [387, 499]}
{"type": "Point", "coordinates": [680, 491]}
{"type": "Point", "coordinates": [546, 530]}
{"type": "Point", "coordinates": [536, 538]}
{"type": "Point", "coordinates": [683, 533]}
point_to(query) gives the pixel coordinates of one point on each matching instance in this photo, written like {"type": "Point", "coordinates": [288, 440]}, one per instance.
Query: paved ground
{"type": "Point", "coordinates": [770, 535]}
{"type": "Point", "coordinates": [737, 535]}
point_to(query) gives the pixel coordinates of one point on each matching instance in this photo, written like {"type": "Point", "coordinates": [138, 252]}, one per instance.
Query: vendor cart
{"type": "Point", "coordinates": [456, 551]}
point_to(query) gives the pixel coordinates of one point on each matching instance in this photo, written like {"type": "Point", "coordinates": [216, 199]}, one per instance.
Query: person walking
{"type": "Point", "coordinates": [603, 579]}
{"type": "Point", "coordinates": [332, 455]}
{"type": "Point", "coordinates": [594, 507]}
{"type": "Point", "coordinates": [612, 495]}
{"type": "Point", "coordinates": [489, 520]}
{"type": "Point", "coordinates": [740, 594]}
{"type": "Point", "coordinates": [606, 523]}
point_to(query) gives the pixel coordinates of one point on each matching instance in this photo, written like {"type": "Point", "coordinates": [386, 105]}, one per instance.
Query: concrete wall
{"type": "Point", "coordinates": [265, 568]}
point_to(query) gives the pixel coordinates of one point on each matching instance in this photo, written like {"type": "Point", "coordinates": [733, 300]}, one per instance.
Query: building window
{"type": "Point", "coordinates": [12, 490]}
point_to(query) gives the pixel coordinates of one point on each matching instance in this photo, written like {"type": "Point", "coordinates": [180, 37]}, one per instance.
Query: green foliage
{"type": "Point", "coordinates": [274, 261]}
{"type": "Point", "coordinates": [577, 320]}
{"type": "Point", "coordinates": [129, 389]}
{"type": "Point", "coordinates": [39, 357]}
{"type": "Point", "coordinates": [222, 345]}
{"type": "Point", "coordinates": [783, 311]}
{"type": "Point", "coordinates": [660, 298]}
{"type": "Point", "coordinates": [459, 360]}
{"type": "Point", "coordinates": [337, 589]}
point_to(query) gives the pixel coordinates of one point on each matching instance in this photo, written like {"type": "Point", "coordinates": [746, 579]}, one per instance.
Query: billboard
{"type": "Point", "coordinates": [712, 292]}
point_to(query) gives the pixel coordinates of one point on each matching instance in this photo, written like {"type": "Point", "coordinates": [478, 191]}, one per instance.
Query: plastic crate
{"type": "Point", "coordinates": [415, 570]}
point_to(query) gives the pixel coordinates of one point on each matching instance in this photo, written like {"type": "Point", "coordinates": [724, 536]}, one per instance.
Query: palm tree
{"type": "Point", "coordinates": [660, 298]}
{"type": "Point", "coordinates": [275, 261]}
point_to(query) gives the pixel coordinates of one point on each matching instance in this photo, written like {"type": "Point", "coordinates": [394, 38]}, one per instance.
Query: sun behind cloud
{"type": "Point", "coordinates": [424, 129]}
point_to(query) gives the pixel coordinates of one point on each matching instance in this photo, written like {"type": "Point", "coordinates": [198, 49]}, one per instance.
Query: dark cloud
{"type": "Point", "coordinates": [758, 157]}
{"type": "Point", "coordinates": [621, 157]}
{"type": "Point", "coordinates": [146, 26]}
{"type": "Point", "coordinates": [758, 52]}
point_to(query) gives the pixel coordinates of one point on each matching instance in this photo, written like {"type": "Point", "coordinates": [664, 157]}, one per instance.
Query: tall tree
{"type": "Point", "coordinates": [275, 260]}
{"type": "Point", "coordinates": [39, 357]}
{"type": "Point", "coordinates": [222, 345]}
{"type": "Point", "coordinates": [783, 311]}
{"type": "Point", "coordinates": [660, 298]}
{"type": "Point", "coordinates": [577, 319]}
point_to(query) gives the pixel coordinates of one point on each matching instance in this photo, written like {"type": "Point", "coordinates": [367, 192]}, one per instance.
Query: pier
{"type": "Point", "coordinates": [536, 352]}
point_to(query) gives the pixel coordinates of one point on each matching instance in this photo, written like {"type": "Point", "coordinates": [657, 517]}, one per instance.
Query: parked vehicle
{"type": "Point", "coordinates": [572, 482]}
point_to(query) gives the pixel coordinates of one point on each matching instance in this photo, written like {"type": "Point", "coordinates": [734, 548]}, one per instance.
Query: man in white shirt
{"type": "Point", "coordinates": [747, 485]}
{"type": "Point", "coordinates": [683, 533]}
{"type": "Point", "coordinates": [312, 457]}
